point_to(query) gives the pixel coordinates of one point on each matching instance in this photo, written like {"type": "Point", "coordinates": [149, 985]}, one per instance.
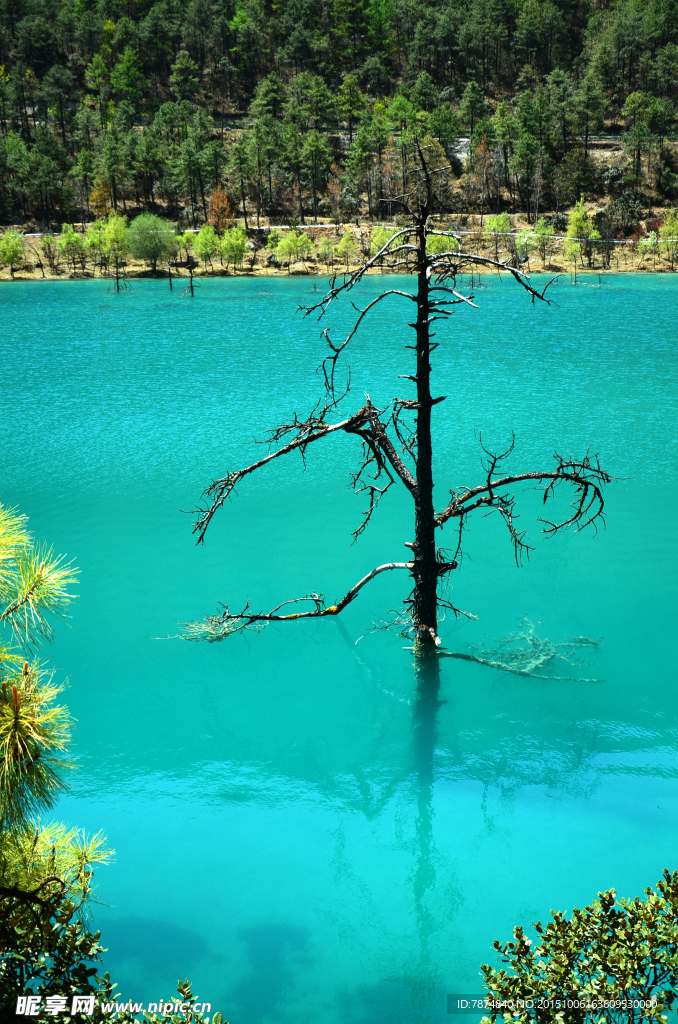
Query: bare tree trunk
{"type": "Point", "coordinates": [202, 195]}
{"type": "Point", "coordinates": [301, 201]}
{"type": "Point", "coordinates": [425, 569]}
{"type": "Point", "coordinates": [244, 203]}
{"type": "Point", "coordinates": [424, 736]}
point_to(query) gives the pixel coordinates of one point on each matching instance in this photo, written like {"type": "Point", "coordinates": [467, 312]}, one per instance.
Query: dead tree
{"type": "Point", "coordinates": [396, 442]}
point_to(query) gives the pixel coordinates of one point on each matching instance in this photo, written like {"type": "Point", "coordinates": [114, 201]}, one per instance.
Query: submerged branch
{"type": "Point", "coordinates": [509, 668]}
{"type": "Point", "coordinates": [532, 655]}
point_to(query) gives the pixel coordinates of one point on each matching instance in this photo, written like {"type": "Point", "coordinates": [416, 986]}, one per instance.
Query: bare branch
{"type": "Point", "coordinates": [356, 276]}
{"type": "Point", "coordinates": [366, 424]}
{"type": "Point", "coordinates": [31, 896]}
{"type": "Point", "coordinates": [450, 264]}
{"type": "Point", "coordinates": [309, 431]}
{"type": "Point", "coordinates": [406, 434]}
{"type": "Point", "coordinates": [218, 627]}
{"type": "Point", "coordinates": [585, 475]}
{"type": "Point", "coordinates": [389, 451]}
{"type": "Point", "coordinates": [336, 350]}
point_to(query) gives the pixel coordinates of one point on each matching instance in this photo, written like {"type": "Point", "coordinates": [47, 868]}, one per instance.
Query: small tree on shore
{"type": "Point", "coordinates": [95, 242]}
{"type": "Point", "coordinates": [50, 250]}
{"type": "Point", "coordinates": [498, 227]}
{"type": "Point", "coordinates": [668, 233]}
{"type": "Point", "coordinates": [116, 243]}
{"type": "Point", "coordinates": [233, 244]}
{"type": "Point", "coordinates": [294, 246]}
{"type": "Point", "coordinates": [150, 238]}
{"type": "Point", "coordinates": [219, 210]}
{"type": "Point", "coordinates": [11, 251]}
{"type": "Point", "coordinates": [580, 233]}
{"type": "Point", "coordinates": [347, 250]}
{"type": "Point", "coordinates": [326, 251]}
{"type": "Point", "coordinates": [526, 244]}
{"type": "Point", "coordinates": [71, 245]}
{"type": "Point", "coordinates": [543, 234]}
{"type": "Point", "coordinates": [206, 244]}
{"type": "Point", "coordinates": [649, 246]}
{"type": "Point", "coordinates": [396, 440]}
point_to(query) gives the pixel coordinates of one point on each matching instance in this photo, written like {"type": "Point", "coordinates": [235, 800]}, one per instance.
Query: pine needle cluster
{"type": "Point", "coordinates": [34, 729]}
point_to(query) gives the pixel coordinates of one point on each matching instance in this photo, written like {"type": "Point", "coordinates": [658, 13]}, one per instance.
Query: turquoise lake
{"type": "Point", "coordinates": [297, 829]}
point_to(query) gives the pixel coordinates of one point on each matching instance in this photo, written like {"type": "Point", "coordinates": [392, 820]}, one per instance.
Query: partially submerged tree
{"type": "Point", "coordinates": [116, 243]}
{"type": "Point", "coordinates": [396, 441]}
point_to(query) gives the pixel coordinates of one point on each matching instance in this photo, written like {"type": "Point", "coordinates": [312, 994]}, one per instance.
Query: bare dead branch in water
{"type": "Point", "coordinates": [218, 627]}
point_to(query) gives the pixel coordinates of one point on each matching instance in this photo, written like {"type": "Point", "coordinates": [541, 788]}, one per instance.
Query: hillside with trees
{"type": "Point", "coordinates": [302, 111]}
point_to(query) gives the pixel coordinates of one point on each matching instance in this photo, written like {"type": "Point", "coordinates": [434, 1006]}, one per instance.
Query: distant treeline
{"type": "Point", "coordinates": [308, 108]}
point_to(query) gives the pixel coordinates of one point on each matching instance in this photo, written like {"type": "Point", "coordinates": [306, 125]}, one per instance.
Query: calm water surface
{"type": "Point", "coordinates": [296, 827]}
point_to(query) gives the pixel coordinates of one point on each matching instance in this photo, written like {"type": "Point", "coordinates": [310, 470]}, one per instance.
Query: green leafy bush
{"type": "Point", "coordinates": [150, 239]}
{"type": "Point", "coordinates": [233, 244]}
{"type": "Point", "coordinates": [206, 244]}
{"type": "Point", "coordinates": [11, 251]}
{"type": "Point", "coordinates": [613, 951]}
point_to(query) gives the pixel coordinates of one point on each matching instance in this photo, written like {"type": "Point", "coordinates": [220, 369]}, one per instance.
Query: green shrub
{"type": "Point", "coordinates": [612, 950]}
{"type": "Point", "coordinates": [150, 238]}
{"type": "Point", "coordinates": [206, 244]}
{"type": "Point", "coordinates": [11, 251]}
{"type": "Point", "coordinates": [233, 244]}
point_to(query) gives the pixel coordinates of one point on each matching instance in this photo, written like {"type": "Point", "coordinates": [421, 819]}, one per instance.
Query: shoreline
{"type": "Point", "coordinates": [259, 257]}
{"type": "Point", "coordinates": [266, 272]}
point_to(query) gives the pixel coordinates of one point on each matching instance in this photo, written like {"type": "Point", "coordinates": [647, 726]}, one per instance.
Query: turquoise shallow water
{"type": "Point", "coordinates": [295, 827]}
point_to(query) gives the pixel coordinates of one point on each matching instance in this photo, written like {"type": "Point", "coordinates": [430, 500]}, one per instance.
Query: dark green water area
{"type": "Point", "coordinates": [296, 828]}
